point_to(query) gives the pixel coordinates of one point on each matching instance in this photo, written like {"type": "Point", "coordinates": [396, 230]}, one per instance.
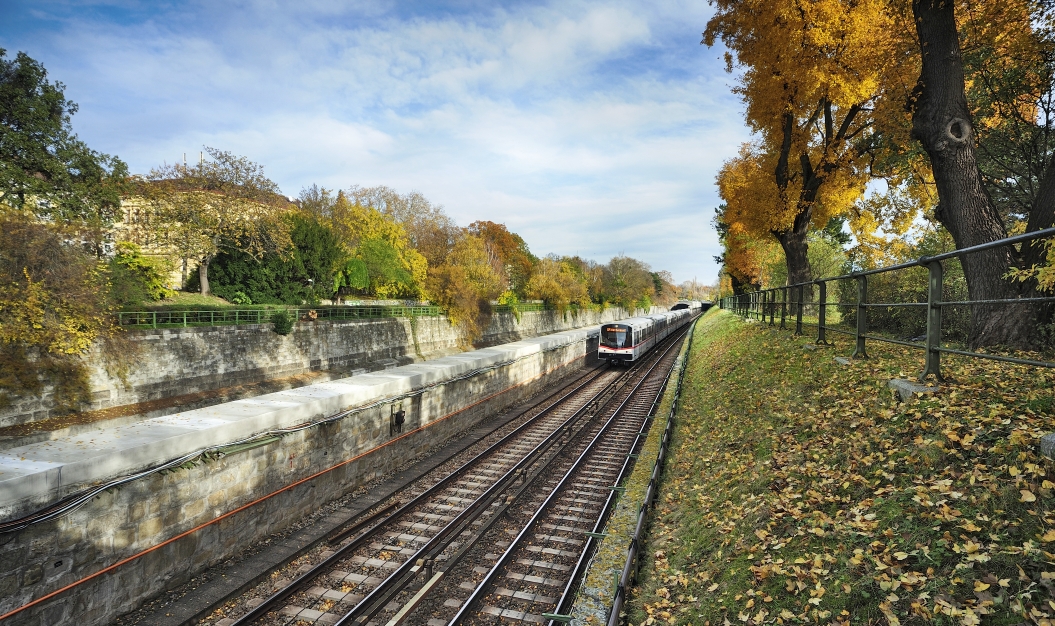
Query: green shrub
{"type": "Point", "coordinates": [283, 321]}
{"type": "Point", "coordinates": [135, 278]}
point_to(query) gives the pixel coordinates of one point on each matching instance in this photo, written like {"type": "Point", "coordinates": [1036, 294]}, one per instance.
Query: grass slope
{"type": "Point", "coordinates": [799, 490]}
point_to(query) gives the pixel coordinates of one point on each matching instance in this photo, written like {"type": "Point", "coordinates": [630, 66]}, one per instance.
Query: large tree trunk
{"type": "Point", "coordinates": [742, 286]}
{"type": "Point", "coordinates": [203, 275]}
{"type": "Point", "coordinates": [795, 253]}
{"type": "Point", "coordinates": [941, 121]}
{"type": "Point", "coordinates": [1041, 215]}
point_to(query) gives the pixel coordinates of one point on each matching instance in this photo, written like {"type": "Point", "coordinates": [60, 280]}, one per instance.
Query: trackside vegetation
{"type": "Point", "coordinates": [800, 490]}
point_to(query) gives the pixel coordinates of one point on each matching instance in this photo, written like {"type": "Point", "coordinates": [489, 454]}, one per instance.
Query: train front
{"type": "Point", "coordinates": [617, 343]}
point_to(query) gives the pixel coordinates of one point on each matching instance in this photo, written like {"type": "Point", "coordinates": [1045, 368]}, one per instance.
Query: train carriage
{"type": "Point", "coordinates": [626, 341]}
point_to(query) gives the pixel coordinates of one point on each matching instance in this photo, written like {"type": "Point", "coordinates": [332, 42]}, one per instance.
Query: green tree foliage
{"type": "Point", "coordinates": [628, 283]}
{"type": "Point", "coordinates": [135, 278]}
{"type": "Point", "coordinates": [352, 275]}
{"type": "Point", "coordinates": [305, 274]}
{"type": "Point", "coordinates": [387, 273]}
{"type": "Point", "coordinates": [224, 204]}
{"type": "Point", "coordinates": [45, 170]}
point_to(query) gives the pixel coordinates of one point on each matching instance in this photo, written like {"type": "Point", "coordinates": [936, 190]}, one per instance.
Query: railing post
{"type": "Point", "coordinates": [154, 319]}
{"type": "Point", "coordinates": [933, 364]}
{"type": "Point", "coordinates": [822, 306]}
{"type": "Point", "coordinates": [862, 317]}
{"type": "Point", "coordinates": [783, 307]}
{"type": "Point", "coordinates": [798, 313]}
{"type": "Point", "coordinates": [772, 304]}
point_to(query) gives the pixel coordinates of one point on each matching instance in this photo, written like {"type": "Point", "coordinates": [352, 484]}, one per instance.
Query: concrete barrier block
{"type": "Point", "coordinates": [1047, 446]}
{"type": "Point", "coordinates": [905, 389]}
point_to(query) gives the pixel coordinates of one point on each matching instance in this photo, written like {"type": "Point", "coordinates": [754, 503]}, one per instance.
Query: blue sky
{"type": "Point", "coordinates": [591, 128]}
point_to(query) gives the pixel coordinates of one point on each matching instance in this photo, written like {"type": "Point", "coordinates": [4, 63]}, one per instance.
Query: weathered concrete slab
{"type": "Point", "coordinates": [841, 360]}
{"type": "Point", "coordinates": [906, 389]}
{"type": "Point", "coordinates": [44, 471]}
{"type": "Point", "coordinates": [1047, 446]}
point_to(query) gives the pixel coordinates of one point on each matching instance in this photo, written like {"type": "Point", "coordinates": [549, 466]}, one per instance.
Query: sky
{"type": "Point", "coordinates": [589, 128]}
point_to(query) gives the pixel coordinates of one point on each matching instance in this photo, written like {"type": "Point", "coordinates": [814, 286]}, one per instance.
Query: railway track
{"type": "Point", "coordinates": [503, 537]}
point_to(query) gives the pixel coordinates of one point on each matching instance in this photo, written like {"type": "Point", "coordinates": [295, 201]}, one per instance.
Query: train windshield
{"type": "Point", "coordinates": [615, 337]}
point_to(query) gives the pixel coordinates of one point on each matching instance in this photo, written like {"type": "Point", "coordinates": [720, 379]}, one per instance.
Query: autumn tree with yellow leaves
{"type": "Point", "coordinates": [951, 103]}
{"type": "Point", "coordinates": [810, 75]}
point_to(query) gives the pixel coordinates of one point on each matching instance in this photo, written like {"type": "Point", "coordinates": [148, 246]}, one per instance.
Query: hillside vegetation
{"type": "Point", "coordinates": [800, 490]}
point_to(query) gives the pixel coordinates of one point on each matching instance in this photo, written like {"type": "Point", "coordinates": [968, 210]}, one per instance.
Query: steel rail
{"type": "Point", "coordinates": [630, 565]}
{"type": "Point", "coordinates": [298, 583]}
{"type": "Point", "coordinates": [504, 558]}
{"type": "Point", "coordinates": [398, 581]}
{"type": "Point", "coordinates": [380, 595]}
{"type": "Point", "coordinates": [567, 595]}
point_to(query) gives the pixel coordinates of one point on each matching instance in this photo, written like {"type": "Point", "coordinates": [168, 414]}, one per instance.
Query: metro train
{"type": "Point", "coordinates": [626, 341]}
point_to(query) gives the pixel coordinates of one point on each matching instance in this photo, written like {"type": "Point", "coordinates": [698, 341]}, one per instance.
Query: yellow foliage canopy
{"type": "Point", "coordinates": [557, 283]}
{"type": "Point", "coordinates": [812, 73]}
{"type": "Point", "coordinates": [356, 225]}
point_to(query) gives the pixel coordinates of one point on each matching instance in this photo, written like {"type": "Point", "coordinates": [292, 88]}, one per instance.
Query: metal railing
{"type": "Point", "coordinates": [791, 300]}
{"type": "Point", "coordinates": [218, 317]}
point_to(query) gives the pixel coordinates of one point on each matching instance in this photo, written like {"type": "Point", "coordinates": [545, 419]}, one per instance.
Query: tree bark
{"type": "Point", "coordinates": [1041, 215]}
{"type": "Point", "coordinates": [941, 121]}
{"type": "Point", "coordinates": [203, 275]}
{"type": "Point", "coordinates": [739, 286]}
{"type": "Point", "coordinates": [793, 241]}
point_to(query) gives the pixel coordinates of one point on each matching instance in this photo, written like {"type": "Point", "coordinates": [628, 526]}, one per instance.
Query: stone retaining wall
{"type": "Point", "coordinates": [167, 363]}
{"type": "Point", "coordinates": [138, 517]}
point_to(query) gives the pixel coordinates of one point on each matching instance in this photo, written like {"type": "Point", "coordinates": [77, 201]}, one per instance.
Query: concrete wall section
{"type": "Point", "coordinates": [168, 363]}
{"type": "Point", "coordinates": [142, 519]}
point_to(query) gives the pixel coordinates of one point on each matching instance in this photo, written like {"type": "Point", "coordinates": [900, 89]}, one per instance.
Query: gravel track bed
{"type": "Point", "coordinates": [374, 561]}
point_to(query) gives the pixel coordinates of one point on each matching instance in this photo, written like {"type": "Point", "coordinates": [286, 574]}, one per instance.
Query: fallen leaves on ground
{"type": "Point", "coordinates": [800, 490]}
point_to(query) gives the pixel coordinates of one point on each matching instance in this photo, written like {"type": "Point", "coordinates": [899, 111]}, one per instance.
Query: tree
{"type": "Point", "coordinates": [666, 290]}
{"type": "Point", "coordinates": [393, 268]}
{"type": "Point", "coordinates": [305, 274]}
{"type": "Point", "coordinates": [45, 169]}
{"type": "Point", "coordinates": [136, 278]}
{"type": "Point", "coordinates": [431, 231]}
{"type": "Point", "coordinates": [507, 252]}
{"type": "Point", "coordinates": [590, 273]}
{"type": "Point", "coordinates": [53, 305]}
{"type": "Point", "coordinates": [628, 283]}
{"type": "Point", "coordinates": [941, 121]}
{"type": "Point", "coordinates": [227, 203]}
{"type": "Point", "coordinates": [557, 284]}
{"type": "Point", "coordinates": [812, 73]}
{"type": "Point", "coordinates": [464, 284]}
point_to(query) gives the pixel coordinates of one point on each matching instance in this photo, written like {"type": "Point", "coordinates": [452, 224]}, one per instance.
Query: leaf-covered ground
{"type": "Point", "coordinates": [800, 490]}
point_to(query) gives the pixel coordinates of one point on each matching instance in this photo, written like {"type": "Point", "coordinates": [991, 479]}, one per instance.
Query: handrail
{"type": "Point", "coordinates": [176, 318]}
{"type": "Point", "coordinates": [190, 317]}
{"type": "Point", "coordinates": [762, 303]}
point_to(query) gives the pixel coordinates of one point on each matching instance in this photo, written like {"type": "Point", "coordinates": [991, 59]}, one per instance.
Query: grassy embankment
{"type": "Point", "coordinates": [799, 490]}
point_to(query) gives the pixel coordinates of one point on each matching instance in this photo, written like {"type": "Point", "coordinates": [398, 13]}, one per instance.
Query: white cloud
{"type": "Point", "coordinates": [589, 127]}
